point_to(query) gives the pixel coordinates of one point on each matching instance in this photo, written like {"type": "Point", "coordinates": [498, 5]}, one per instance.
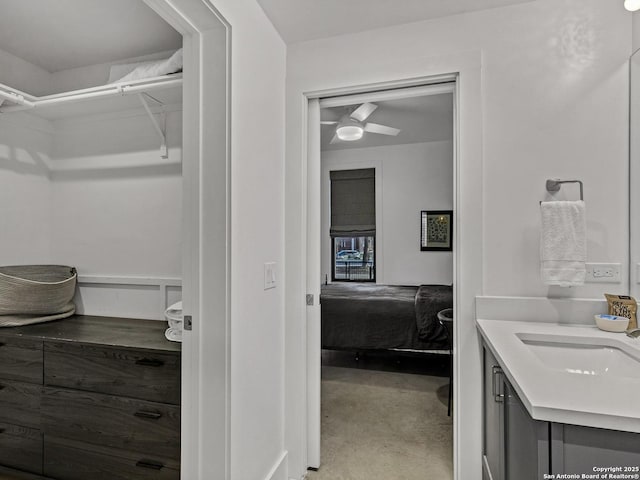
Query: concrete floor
{"type": "Point", "coordinates": [384, 425]}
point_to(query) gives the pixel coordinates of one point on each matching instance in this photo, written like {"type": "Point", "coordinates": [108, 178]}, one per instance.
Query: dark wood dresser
{"type": "Point", "coordinates": [90, 398]}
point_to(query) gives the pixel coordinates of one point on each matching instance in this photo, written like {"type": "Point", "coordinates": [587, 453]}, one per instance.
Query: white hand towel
{"type": "Point", "coordinates": [563, 243]}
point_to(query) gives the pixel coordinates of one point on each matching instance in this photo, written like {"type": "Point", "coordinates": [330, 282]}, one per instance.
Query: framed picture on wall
{"type": "Point", "coordinates": [436, 230]}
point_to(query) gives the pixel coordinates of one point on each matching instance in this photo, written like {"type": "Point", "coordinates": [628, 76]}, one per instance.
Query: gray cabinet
{"type": "Point", "coordinates": [577, 450]}
{"type": "Point", "coordinates": [493, 451]}
{"type": "Point", "coordinates": [526, 441]}
{"type": "Point", "coordinates": [517, 447]}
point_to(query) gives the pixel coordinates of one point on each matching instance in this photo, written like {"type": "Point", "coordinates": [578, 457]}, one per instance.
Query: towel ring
{"type": "Point", "coordinates": [553, 185]}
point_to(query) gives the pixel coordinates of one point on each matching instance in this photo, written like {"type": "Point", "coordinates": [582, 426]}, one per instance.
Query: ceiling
{"type": "Point", "coordinates": [301, 20]}
{"type": "Point", "coordinates": [62, 34]}
{"type": "Point", "coordinates": [420, 119]}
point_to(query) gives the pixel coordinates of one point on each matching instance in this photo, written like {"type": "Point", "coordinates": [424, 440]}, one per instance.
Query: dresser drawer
{"type": "Point", "coordinates": [70, 460]}
{"type": "Point", "coordinates": [118, 422]}
{"type": "Point", "coordinates": [21, 359]}
{"type": "Point", "coordinates": [130, 373]}
{"type": "Point", "coordinates": [21, 448]}
{"type": "Point", "coordinates": [20, 403]}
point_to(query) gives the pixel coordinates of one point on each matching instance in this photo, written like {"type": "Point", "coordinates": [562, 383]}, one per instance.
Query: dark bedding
{"type": "Point", "coordinates": [362, 316]}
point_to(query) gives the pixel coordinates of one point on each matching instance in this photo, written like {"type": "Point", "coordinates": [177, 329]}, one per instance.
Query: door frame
{"type": "Point", "coordinates": [465, 69]}
{"type": "Point", "coordinates": [206, 253]}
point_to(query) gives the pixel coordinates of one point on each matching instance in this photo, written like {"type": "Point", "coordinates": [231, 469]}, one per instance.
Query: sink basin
{"type": "Point", "coordinates": [583, 355]}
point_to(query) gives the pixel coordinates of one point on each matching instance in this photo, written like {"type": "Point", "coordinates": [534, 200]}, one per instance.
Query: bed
{"type": "Point", "coordinates": [366, 316]}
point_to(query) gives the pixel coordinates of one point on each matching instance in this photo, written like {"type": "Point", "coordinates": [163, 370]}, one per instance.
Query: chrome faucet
{"type": "Point", "coordinates": [633, 333]}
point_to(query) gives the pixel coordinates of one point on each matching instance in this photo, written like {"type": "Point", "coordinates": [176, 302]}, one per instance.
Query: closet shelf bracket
{"type": "Point", "coordinates": [161, 130]}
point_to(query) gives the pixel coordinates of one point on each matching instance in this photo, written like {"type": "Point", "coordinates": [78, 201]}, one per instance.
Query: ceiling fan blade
{"type": "Point", "coordinates": [328, 123]}
{"type": "Point", "coordinates": [363, 111]}
{"type": "Point", "coordinates": [381, 129]}
{"type": "Point", "coordinates": [335, 139]}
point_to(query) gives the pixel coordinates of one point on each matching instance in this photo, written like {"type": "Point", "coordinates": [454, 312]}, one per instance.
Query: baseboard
{"type": "Point", "coordinates": [279, 469]}
{"type": "Point", "coordinates": [126, 296]}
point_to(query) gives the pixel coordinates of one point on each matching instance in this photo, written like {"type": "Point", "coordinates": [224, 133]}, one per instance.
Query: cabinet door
{"type": "Point", "coordinates": [577, 450]}
{"type": "Point", "coordinates": [526, 440]}
{"type": "Point", "coordinates": [493, 460]}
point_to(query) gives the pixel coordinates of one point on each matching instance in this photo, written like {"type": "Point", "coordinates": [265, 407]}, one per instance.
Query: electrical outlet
{"type": "Point", "coordinates": [603, 272]}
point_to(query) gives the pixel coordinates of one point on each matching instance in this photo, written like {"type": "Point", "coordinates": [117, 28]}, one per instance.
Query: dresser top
{"type": "Point", "coordinates": [109, 331]}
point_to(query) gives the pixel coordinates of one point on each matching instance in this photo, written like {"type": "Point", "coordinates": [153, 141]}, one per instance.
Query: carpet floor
{"type": "Point", "coordinates": [382, 425]}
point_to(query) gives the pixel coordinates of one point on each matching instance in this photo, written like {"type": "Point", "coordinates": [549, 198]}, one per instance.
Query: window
{"type": "Point", "coordinates": [353, 225]}
{"type": "Point", "coordinates": [354, 259]}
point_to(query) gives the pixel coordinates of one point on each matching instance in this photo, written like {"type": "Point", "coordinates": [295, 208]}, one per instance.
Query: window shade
{"type": "Point", "coordinates": [353, 203]}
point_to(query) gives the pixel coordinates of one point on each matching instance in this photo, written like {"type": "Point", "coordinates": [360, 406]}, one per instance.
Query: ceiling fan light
{"type": "Point", "coordinates": [349, 133]}
{"type": "Point", "coordinates": [632, 5]}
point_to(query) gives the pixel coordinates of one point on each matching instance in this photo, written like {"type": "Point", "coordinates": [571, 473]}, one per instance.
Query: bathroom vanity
{"type": "Point", "coordinates": [90, 397]}
{"type": "Point", "coordinates": [559, 400]}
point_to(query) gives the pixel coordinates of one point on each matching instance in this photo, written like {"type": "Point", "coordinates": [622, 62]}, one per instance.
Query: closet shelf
{"type": "Point", "coordinates": [114, 97]}
{"type": "Point", "coordinates": [167, 90]}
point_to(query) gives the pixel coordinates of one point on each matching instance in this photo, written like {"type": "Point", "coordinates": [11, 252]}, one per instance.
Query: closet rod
{"type": "Point", "coordinates": [15, 98]}
{"type": "Point", "coordinates": [71, 98]}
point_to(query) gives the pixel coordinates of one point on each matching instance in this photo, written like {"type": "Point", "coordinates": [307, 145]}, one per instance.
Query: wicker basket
{"type": "Point", "coordinates": [36, 293]}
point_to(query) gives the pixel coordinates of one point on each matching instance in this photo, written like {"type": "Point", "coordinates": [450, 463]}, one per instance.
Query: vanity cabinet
{"type": "Point", "coordinates": [90, 397]}
{"type": "Point", "coordinates": [517, 447]}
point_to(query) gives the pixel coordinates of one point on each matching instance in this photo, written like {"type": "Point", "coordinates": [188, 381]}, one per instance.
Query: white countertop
{"type": "Point", "coordinates": [557, 395]}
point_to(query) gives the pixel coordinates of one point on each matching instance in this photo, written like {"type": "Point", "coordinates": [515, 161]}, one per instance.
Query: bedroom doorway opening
{"type": "Point", "coordinates": [381, 181]}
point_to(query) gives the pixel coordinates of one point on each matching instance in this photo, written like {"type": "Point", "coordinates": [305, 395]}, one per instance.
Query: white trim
{"type": "Point", "coordinates": [279, 469]}
{"type": "Point", "coordinates": [206, 271]}
{"type": "Point", "coordinates": [130, 280]}
{"type": "Point", "coordinates": [418, 81]}
{"type": "Point", "coordinates": [313, 253]}
{"type": "Point", "coordinates": [313, 280]}
{"type": "Point", "coordinates": [385, 95]}
{"type": "Point", "coordinates": [164, 284]}
{"type": "Point", "coordinates": [468, 205]}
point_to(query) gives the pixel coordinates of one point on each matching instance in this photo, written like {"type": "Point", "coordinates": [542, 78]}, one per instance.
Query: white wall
{"type": "Point", "coordinates": [555, 80]}
{"type": "Point", "coordinates": [93, 192]}
{"type": "Point", "coordinates": [22, 75]}
{"type": "Point", "coordinates": [113, 193]}
{"type": "Point", "coordinates": [409, 178]}
{"type": "Point", "coordinates": [636, 30]}
{"type": "Point", "coordinates": [257, 236]}
{"type": "Point", "coordinates": [554, 104]}
{"type": "Point", "coordinates": [25, 195]}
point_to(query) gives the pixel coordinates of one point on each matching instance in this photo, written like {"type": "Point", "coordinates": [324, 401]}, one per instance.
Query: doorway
{"type": "Point", "coordinates": [389, 254]}
{"type": "Point", "coordinates": [206, 206]}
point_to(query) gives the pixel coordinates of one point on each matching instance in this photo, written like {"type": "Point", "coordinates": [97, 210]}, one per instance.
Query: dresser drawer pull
{"type": "Point", "coordinates": [149, 464]}
{"type": "Point", "coordinates": [146, 414]}
{"type": "Point", "coordinates": [150, 362]}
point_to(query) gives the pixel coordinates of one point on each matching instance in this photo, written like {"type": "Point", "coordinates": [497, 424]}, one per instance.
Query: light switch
{"type": "Point", "coordinates": [269, 275]}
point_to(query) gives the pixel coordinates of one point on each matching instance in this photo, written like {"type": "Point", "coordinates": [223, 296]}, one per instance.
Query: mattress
{"type": "Point", "coordinates": [367, 316]}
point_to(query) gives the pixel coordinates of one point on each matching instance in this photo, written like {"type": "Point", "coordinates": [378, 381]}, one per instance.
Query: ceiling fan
{"type": "Point", "coordinates": [351, 126]}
